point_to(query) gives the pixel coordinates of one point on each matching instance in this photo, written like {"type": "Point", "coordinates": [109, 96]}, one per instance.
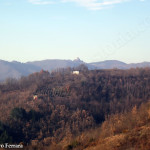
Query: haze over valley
{"type": "Point", "coordinates": [16, 69]}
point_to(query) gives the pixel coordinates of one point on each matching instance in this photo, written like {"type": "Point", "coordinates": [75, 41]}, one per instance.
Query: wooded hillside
{"type": "Point", "coordinates": [45, 109]}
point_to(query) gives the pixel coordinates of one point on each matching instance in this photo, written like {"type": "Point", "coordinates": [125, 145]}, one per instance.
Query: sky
{"type": "Point", "coordinates": [93, 30]}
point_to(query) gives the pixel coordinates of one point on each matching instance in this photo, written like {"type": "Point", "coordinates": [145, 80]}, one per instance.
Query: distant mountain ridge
{"type": "Point", "coordinates": [16, 69]}
{"type": "Point", "coordinates": [52, 64]}
{"type": "Point", "coordinates": [109, 64]}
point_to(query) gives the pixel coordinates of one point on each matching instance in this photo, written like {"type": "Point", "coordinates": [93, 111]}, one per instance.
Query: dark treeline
{"type": "Point", "coordinates": [93, 95]}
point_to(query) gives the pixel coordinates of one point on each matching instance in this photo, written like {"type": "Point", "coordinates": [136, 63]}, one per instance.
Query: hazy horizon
{"type": "Point", "coordinates": [73, 60]}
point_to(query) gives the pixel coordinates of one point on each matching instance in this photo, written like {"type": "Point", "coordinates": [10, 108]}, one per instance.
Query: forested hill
{"type": "Point", "coordinates": [44, 109]}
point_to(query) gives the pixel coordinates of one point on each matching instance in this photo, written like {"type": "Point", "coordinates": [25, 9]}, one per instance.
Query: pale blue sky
{"type": "Point", "coordinates": [94, 30]}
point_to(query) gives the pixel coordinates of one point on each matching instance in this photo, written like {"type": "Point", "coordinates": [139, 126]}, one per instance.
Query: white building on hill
{"type": "Point", "coordinates": [76, 72]}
